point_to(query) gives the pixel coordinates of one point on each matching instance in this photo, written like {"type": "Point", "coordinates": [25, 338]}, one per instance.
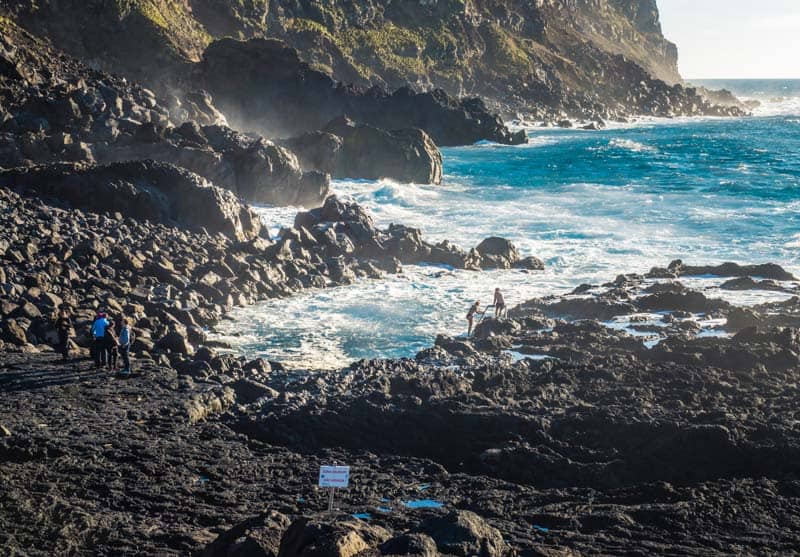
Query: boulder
{"type": "Point", "coordinates": [420, 545]}
{"type": "Point", "coordinates": [148, 190]}
{"type": "Point", "coordinates": [465, 534]}
{"type": "Point", "coordinates": [13, 333]}
{"type": "Point", "coordinates": [497, 253]}
{"type": "Point", "coordinates": [255, 537]}
{"type": "Point", "coordinates": [405, 155]}
{"type": "Point", "coordinates": [315, 538]}
{"type": "Point", "coordinates": [529, 263]}
{"type": "Point", "coordinates": [174, 341]}
{"type": "Point", "coordinates": [249, 391]}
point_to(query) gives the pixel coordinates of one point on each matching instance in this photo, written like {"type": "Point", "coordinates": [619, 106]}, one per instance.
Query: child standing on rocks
{"type": "Point", "coordinates": [125, 340]}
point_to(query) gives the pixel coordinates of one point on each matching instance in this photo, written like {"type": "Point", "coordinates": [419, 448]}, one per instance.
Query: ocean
{"type": "Point", "coordinates": [591, 204]}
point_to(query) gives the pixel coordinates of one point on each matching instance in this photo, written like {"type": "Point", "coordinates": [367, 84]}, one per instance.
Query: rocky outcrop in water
{"type": "Point", "coordinates": [407, 155]}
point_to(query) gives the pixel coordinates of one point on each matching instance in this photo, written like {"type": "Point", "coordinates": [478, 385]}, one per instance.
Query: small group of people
{"type": "Point", "coordinates": [499, 304]}
{"type": "Point", "coordinates": [112, 340]}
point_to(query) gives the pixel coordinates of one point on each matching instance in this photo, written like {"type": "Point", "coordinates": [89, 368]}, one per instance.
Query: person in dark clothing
{"type": "Point", "coordinates": [112, 348]}
{"type": "Point", "coordinates": [471, 315]}
{"type": "Point", "coordinates": [499, 303]}
{"type": "Point", "coordinates": [64, 328]}
{"type": "Point", "coordinates": [101, 323]}
{"type": "Point", "coordinates": [125, 340]}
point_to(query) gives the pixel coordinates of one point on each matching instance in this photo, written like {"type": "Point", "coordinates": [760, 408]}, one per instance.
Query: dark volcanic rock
{"type": "Point", "coordinates": [142, 190]}
{"type": "Point", "coordinates": [766, 270]}
{"type": "Point", "coordinates": [263, 86]}
{"type": "Point", "coordinates": [406, 155]}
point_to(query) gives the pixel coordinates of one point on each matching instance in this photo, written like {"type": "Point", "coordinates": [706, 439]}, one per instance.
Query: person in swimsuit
{"type": "Point", "coordinates": [499, 303]}
{"type": "Point", "coordinates": [471, 315]}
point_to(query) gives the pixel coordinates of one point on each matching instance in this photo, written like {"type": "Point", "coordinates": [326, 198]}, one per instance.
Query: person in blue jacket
{"type": "Point", "coordinates": [100, 345]}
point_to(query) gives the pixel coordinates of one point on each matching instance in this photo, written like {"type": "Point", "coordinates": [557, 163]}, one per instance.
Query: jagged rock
{"type": "Point", "coordinates": [265, 88]}
{"type": "Point", "coordinates": [315, 538]}
{"type": "Point", "coordinates": [464, 533]}
{"type": "Point", "coordinates": [317, 150]}
{"type": "Point", "coordinates": [256, 537]}
{"type": "Point", "coordinates": [144, 190]}
{"type": "Point", "coordinates": [406, 155]}
{"type": "Point", "coordinates": [767, 270]}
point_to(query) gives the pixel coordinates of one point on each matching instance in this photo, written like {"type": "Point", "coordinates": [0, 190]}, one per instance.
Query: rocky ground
{"type": "Point", "coordinates": [641, 416]}
{"type": "Point", "coordinates": [689, 447]}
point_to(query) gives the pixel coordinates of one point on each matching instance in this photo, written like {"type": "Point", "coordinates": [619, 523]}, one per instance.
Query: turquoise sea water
{"type": "Point", "coordinates": [591, 204]}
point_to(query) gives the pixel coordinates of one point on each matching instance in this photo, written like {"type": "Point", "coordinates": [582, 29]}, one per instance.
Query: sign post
{"type": "Point", "coordinates": [333, 477]}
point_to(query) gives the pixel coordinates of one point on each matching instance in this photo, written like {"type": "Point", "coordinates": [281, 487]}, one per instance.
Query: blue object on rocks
{"type": "Point", "coordinates": [423, 487]}
{"type": "Point", "coordinates": [362, 516]}
{"type": "Point", "coordinates": [423, 504]}
{"type": "Point", "coordinates": [384, 509]}
{"type": "Point", "coordinates": [541, 528]}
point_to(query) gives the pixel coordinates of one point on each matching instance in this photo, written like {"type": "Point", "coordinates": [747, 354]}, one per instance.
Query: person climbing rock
{"type": "Point", "coordinates": [499, 303]}
{"type": "Point", "coordinates": [101, 323]}
{"type": "Point", "coordinates": [64, 329]}
{"type": "Point", "coordinates": [471, 315]}
{"type": "Point", "coordinates": [125, 340]}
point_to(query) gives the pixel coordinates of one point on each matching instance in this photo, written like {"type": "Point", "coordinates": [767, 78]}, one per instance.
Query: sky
{"type": "Point", "coordinates": [734, 38]}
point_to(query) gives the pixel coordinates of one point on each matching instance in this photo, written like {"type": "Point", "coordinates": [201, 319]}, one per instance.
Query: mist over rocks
{"type": "Point", "coordinates": [263, 86]}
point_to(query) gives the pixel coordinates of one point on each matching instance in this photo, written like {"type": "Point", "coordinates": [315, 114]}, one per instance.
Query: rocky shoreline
{"type": "Point", "coordinates": [645, 415]}
{"type": "Point", "coordinates": [586, 440]}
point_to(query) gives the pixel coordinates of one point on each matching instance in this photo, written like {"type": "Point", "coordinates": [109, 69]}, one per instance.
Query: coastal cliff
{"type": "Point", "coordinates": [592, 59]}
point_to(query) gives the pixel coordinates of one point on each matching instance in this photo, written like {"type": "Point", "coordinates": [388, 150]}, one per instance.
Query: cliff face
{"type": "Point", "coordinates": [545, 58]}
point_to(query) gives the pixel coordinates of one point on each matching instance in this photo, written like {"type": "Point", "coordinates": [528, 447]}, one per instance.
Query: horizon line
{"type": "Point", "coordinates": [746, 78]}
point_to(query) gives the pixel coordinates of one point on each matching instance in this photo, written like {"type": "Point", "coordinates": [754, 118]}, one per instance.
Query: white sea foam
{"type": "Point", "coordinates": [587, 228]}
{"type": "Point", "coordinates": [631, 145]}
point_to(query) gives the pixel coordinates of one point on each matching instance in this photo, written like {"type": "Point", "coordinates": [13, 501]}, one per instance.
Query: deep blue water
{"type": "Point", "coordinates": [591, 204]}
